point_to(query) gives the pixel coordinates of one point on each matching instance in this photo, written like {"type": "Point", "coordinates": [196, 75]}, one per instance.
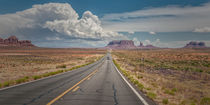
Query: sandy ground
{"type": "Point", "coordinates": [17, 63]}
{"type": "Point", "coordinates": [171, 82]}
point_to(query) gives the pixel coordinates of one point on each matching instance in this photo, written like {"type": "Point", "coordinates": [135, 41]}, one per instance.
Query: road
{"type": "Point", "coordinates": [96, 84]}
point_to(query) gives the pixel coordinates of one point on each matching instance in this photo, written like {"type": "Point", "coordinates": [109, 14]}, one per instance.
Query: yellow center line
{"type": "Point", "coordinates": [68, 90]}
{"type": "Point", "coordinates": [75, 89]}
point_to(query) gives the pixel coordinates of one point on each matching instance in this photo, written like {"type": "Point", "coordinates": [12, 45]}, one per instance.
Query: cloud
{"type": "Point", "coordinates": [159, 19]}
{"type": "Point", "coordinates": [147, 42]}
{"type": "Point", "coordinates": [53, 38]}
{"type": "Point", "coordinates": [55, 21]}
{"type": "Point", "coordinates": [131, 32]}
{"type": "Point", "coordinates": [136, 41]}
{"type": "Point", "coordinates": [204, 29]}
{"type": "Point", "coordinates": [152, 33]}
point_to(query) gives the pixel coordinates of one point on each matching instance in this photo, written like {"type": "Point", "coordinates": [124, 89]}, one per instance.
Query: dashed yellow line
{"type": "Point", "coordinates": [68, 90]}
{"type": "Point", "coordinates": [75, 89]}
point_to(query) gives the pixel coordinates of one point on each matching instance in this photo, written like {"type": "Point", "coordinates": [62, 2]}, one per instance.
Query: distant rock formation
{"type": "Point", "coordinates": [1, 41]}
{"type": "Point", "coordinates": [194, 44]}
{"type": "Point", "coordinates": [141, 46]}
{"type": "Point", "coordinates": [127, 44]}
{"type": "Point", "coordinates": [13, 41]}
{"type": "Point", "coordinates": [121, 44]}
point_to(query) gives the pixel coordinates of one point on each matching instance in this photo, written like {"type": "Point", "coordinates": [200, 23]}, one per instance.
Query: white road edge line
{"type": "Point", "coordinates": [134, 90]}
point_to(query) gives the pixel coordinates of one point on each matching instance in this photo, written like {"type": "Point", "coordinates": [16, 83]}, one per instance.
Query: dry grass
{"type": "Point", "coordinates": [19, 64]}
{"type": "Point", "coordinates": [170, 76]}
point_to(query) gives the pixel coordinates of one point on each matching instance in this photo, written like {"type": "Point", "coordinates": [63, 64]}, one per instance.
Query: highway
{"type": "Point", "coordinates": [96, 84]}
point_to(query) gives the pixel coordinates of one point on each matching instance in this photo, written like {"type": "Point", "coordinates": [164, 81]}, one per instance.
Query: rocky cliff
{"type": "Point", "coordinates": [13, 41]}
{"type": "Point", "coordinates": [121, 44]}
{"type": "Point", "coordinates": [194, 44]}
{"type": "Point", "coordinates": [127, 44]}
{"type": "Point", "coordinates": [141, 46]}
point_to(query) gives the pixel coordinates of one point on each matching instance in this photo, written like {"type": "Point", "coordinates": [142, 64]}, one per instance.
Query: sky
{"type": "Point", "coordinates": [94, 23]}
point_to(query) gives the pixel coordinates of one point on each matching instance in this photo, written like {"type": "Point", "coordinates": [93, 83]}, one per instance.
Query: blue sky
{"type": "Point", "coordinates": [93, 23]}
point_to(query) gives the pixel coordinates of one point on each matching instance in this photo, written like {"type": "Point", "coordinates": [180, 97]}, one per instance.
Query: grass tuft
{"type": "Point", "coordinates": [7, 83]}
{"type": "Point", "coordinates": [61, 66]}
{"type": "Point", "coordinates": [151, 95]}
{"type": "Point", "coordinates": [165, 101]}
{"type": "Point", "coordinates": [205, 101]}
{"type": "Point", "coordinates": [170, 92]}
{"type": "Point", "coordinates": [36, 77]}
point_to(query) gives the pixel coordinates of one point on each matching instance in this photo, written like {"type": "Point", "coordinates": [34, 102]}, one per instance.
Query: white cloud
{"type": "Point", "coordinates": [161, 19]}
{"type": "Point", "coordinates": [131, 32]}
{"type": "Point", "coordinates": [59, 18]}
{"type": "Point", "coordinates": [147, 42]}
{"type": "Point", "coordinates": [204, 29]}
{"type": "Point", "coordinates": [136, 41]}
{"type": "Point", "coordinates": [53, 38]}
{"type": "Point", "coordinates": [152, 33]}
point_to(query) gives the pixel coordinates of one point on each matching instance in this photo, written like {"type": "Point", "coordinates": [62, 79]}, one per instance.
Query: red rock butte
{"type": "Point", "coordinates": [194, 44]}
{"type": "Point", "coordinates": [127, 44]}
{"type": "Point", "coordinates": [13, 41]}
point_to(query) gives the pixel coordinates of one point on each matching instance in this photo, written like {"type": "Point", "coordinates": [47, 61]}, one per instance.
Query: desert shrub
{"type": "Point", "coordinates": [170, 92]}
{"type": "Point", "coordinates": [36, 77]}
{"type": "Point", "coordinates": [154, 85]}
{"type": "Point", "coordinates": [46, 75]}
{"type": "Point", "coordinates": [205, 101]}
{"type": "Point", "coordinates": [135, 82]}
{"type": "Point", "coordinates": [206, 64]}
{"type": "Point", "coordinates": [140, 86]}
{"type": "Point", "coordinates": [148, 88]}
{"type": "Point", "coordinates": [151, 95]}
{"type": "Point", "coordinates": [174, 90]}
{"type": "Point", "coordinates": [198, 70]}
{"type": "Point", "coordinates": [26, 77]}
{"type": "Point", "coordinates": [20, 80]}
{"type": "Point", "coordinates": [61, 66]}
{"type": "Point", "coordinates": [165, 101]}
{"type": "Point", "coordinates": [7, 83]}
{"type": "Point", "coordinates": [139, 76]}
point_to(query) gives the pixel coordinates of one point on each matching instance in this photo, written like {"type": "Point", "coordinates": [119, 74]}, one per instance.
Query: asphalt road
{"type": "Point", "coordinates": [95, 84]}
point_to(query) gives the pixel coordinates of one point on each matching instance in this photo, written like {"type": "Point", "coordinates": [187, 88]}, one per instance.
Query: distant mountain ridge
{"type": "Point", "coordinates": [127, 44]}
{"type": "Point", "coordinates": [13, 41]}
{"type": "Point", "coordinates": [194, 44]}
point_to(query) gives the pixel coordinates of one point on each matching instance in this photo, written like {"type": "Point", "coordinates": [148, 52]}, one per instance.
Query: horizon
{"type": "Point", "coordinates": [92, 24]}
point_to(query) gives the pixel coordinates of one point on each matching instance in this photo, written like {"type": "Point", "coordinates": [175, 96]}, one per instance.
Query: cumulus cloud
{"type": "Point", "coordinates": [159, 19]}
{"type": "Point", "coordinates": [136, 41]}
{"type": "Point", "coordinates": [156, 42]}
{"type": "Point", "coordinates": [57, 18]}
{"type": "Point", "coordinates": [147, 42]}
{"type": "Point", "coordinates": [152, 33]}
{"type": "Point", "coordinates": [204, 29]}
